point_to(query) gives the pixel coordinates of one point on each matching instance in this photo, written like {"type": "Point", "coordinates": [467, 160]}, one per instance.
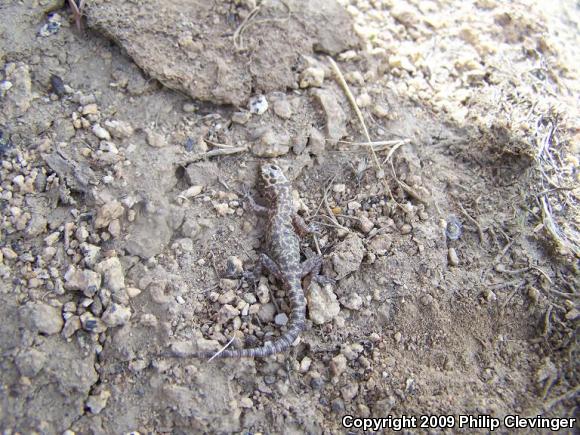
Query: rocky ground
{"type": "Point", "coordinates": [448, 216]}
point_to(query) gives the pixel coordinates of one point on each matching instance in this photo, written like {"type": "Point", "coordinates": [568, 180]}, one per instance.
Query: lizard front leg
{"type": "Point", "coordinates": [257, 208]}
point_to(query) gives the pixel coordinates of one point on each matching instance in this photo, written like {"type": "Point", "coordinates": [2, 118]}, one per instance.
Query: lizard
{"type": "Point", "coordinates": [282, 260]}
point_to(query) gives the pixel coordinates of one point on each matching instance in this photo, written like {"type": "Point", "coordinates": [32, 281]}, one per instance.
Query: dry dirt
{"type": "Point", "coordinates": [126, 149]}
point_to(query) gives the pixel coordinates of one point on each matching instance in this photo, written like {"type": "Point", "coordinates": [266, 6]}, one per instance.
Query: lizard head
{"type": "Point", "coordinates": [272, 175]}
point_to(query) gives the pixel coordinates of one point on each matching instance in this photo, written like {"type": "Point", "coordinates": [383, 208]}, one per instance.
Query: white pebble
{"type": "Point", "coordinates": [258, 104]}
{"type": "Point", "coordinates": [101, 132]}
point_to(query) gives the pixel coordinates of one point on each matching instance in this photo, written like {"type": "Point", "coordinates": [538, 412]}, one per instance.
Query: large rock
{"type": "Point", "coordinates": [322, 304]}
{"type": "Point", "coordinates": [335, 117]}
{"type": "Point", "coordinates": [19, 97]}
{"type": "Point", "coordinates": [189, 46]}
{"type": "Point", "coordinates": [347, 256]}
{"type": "Point", "coordinates": [112, 271]}
{"type": "Point", "coordinates": [43, 318]}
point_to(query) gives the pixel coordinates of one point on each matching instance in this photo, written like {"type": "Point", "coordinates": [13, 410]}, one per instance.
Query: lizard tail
{"type": "Point", "coordinates": [295, 326]}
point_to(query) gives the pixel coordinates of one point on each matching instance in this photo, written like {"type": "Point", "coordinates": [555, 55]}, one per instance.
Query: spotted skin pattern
{"type": "Point", "coordinates": [282, 242]}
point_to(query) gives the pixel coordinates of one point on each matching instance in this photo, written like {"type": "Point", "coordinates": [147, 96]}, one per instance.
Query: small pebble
{"type": "Point", "coordinates": [573, 314]}
{"type": "Point", "coordinates": [349, 391]}
{"type": "Point", "coordinates": [534, 294]}
{"type": "Point", "coordinates": [133, 292]}
{"type": "Point", "coordinates": [427, 300]}
{"type": "Point", "coordinates": [354, 205]}
{"type": "Point", "coordinates": [352, 301]}
{"type": "Point", "coordinates": [258, 105]}
{"type": "Point", "coordinates": [246, 402]}
{"type": "Point", "coordinates": [96, 403]}
{"type": "Point", "coordinates": [8, 253]}
{"type": "Point", "coordinates": [316, 383]}
{"type": "Point", "coordinates": [452, 257]}
{"type": "Point", "coordinates": [108, 212]}
{"type": "Point", "coordinates": [406, 229]}
{"type": "Point", "coordinates": [267, 312]}
{"type": "Point", "coordinates": [50, 240]}
{"type": "Point", "coordinates": [489, 295]}
{"type": "Point", "coordinates": [281, 319]}
{"type": "Point", "coordinates": [87, 99]}
{"type": "Point", "coordinates": [305, 364]}
{"type": "Point", "coordinates": [100, 132]}
{"type": "Point", "coordinates": [227, 298]}
{"type": "Point", "coordinates": [189, 108]}
{"type": "Point", "coordinates": [313, 76]}
{"type": "Point", "coordinates": [223, 209]}
{"type": "Point", "coordinates": [72, 325]}
{"type": "Point", "coordinates": [227, 313]}
{"type": "Point", "coordinates": [380, 111]}
{"type": "Point", "coordinates": [57, 85]}
{"type": "Point", "coordinates": [241, 118]}
{"type": "Point", "coordinates": [453, 228]}
{"type": "Point", "coordinates": [112, 271]}
{"type": "Point", "coordinates": [119, 129]}
{"type": "Point", "coordinates": [250, 298]}
{"type": "Point", "coordinates": [116, 315]}
{"type": "Point", "coordinates": [338, 365]}
{"type": "Point", "coordinates": [86, 281]}
{"type": "Point", "coordinates": [92, 324]}
{"type": "Point", "coordinates": [156, 139]}
{"type": "Point", "coordinates": [364, 100]}
{"type": "Point", "coordinates": [90, 109]}
{"type": "Point", "coordinates": [263, 293]}
{"type": "Point", "coordinates": [282, 109]}
{"type": "Point", "coordinates": [365, 224]}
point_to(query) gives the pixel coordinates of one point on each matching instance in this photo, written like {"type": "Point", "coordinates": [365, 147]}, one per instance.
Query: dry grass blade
{"type": "Point", "coordinates": [218, 145]}
{"type": "Point", "coordinates": [550, 166]}
{"type": "Point", "coordinates": [215, 355]}
{"type": "Point", "coordinates": [379, 145]}
{"type": "Point", "coordinates": [238, 33]}
{"type": "Point", "coordinates": [474, 222]}
{"type": "Point", "coordinates": [215, 153]}
{"type": "Point", "coordinates": [77, 11]}
{"type": "Point", "coordinates": [566, 396]}
{"type": "Point", "coordinates": [554, 230]}
{"type": "Point", "coordinates": [351, 99]}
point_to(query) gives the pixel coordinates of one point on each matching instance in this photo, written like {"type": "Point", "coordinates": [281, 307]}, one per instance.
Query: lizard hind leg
{"type": "Point", "coordinates": [270, 265]}
{"type": "Point", "coordinates": [264, 262]}
{"type": "Point", "coordinates": [312, 266]}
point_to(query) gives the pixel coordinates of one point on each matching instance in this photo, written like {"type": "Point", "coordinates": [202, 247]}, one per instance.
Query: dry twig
{"type": "Point", "coordinates": [351, 99]}
{"type": "Point", "coordinates": [215, 153]}
{"type": "Point", "coordinates": [77, 11]}
{"type": "Point", "coordinates": [474, 222]}
{"type": "Point", "coordinates": [237, 37]}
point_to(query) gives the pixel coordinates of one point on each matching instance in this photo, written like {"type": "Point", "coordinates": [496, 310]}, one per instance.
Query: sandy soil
{"type": "Point", "coordinates": [452, 239]}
